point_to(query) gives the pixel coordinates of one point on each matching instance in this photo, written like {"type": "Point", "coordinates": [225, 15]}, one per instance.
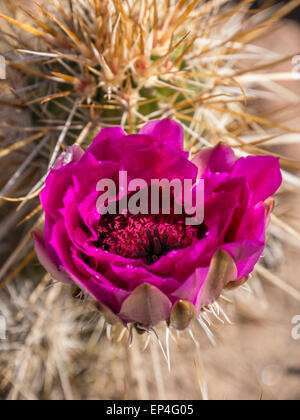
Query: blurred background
{"type": "Point", "coordinates": [294, 15]}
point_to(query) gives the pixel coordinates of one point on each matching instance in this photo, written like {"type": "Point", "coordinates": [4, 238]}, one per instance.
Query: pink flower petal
{"type": "Point", "coordinates": [218, 159]}
{"type": "Point", "coordinates": [56, 273]}
{"type": "Point", "coordinates": [71, 155]}
{"type": "Point", "coordinates": [245, 254]}
{"type": "Point", "coordinates": [262, 173]}
{"type": "Point", "coordinates": [166, 131]}
{"type": "Point", "coordinates": [103, 146]}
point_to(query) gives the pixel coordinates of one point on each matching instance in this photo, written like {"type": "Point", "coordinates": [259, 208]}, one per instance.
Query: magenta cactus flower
{"type": "Point", "coordinates": [148, 268]}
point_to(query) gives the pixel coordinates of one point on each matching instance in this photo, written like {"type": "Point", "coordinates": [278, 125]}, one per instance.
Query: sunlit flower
{"type": "Point", "coordinates": [145, 269]}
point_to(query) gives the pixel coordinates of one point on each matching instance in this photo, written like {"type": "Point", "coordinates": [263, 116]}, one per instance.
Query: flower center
{"type": "Point", "coordinates": [146, 237]}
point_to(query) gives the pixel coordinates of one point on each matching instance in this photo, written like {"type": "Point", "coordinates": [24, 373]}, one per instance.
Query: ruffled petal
{"type": "Point", "coordinates": [166, 131]}
{"type": "Point", "coordinates": [253, 224]}
{"type": "Point", "coordinates": [205, 285]}
{"type": "Point", "coordinates": [146, 160]}
{"type": "Point", "coordinates": [245, 254]}
{"type": "Point", "coordinates": [56, 273]}
{"type": "Point", "coordinates": [132, 277]}
{"type": "Point", "coordinates": [190, 289]}
{"type": "Point", "coordinates": [56, 186]}
{"type": "Point", "coordinates": [218, 159]}
{"type": "Point", "coordinates": [262, 173]}
{"type": "Point", "coordinates": [103, 291]}
{"type": "Point", "coordinates": [103, 146]}
{"type": "Point", "coordinates": [71, 155]}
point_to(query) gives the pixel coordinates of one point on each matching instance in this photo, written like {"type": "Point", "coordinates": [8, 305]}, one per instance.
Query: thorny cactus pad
{"type": "Point", "coordinates": [145, 269]}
